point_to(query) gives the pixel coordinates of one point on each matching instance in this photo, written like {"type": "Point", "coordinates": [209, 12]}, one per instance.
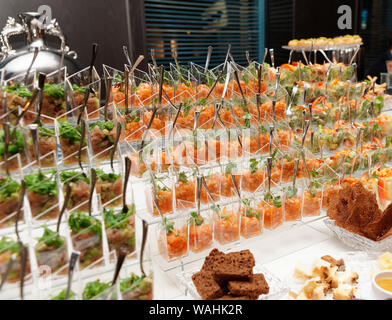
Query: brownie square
{"type": "Point", "coordinates": [209, 260]}
{"type": "Point", "coordinates": [253, 288]}
{"type": "Point", "coordinates": [234, 266]}
{"type": "Point", "coordinates": [206, 285]}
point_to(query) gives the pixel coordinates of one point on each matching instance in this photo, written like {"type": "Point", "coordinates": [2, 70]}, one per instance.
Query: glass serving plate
{"type": "Point", "coordinates": [357, 241]}
{"type": "Point", "coordinates": [278, 288]}
{"type": "Point", "coordinates": [327, 47]}
{"type": "Point", "coordinates": [363, 263]}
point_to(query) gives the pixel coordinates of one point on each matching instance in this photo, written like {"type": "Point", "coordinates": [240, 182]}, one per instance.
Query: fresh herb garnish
{"type": "Point", "coordinates": [133, 116]}
{"type": "Point", "coordinates": [69, 132]}
{"type": "Point", "coordinates": [73, 176]}
{"type": "Point", "coordinates": [20, 90]}
{"type": "Point", "coordinates": [246, 202]}
{"type": "Point", "coordinates": [275, 199]}
{"type": "Point", "coordinates": [7, 244]}
{"type": "Point", "coordinates": [291, 191]}
{"type": "Point", "coordinates": [314, 174]}
{"type": "Point", "coordinates": [79, 89]}
{"type": "Point", "coordinates": [168, 226]}
{"type": "Point", "coordinates": [94, 288]}
{"type": "Point", "coordinates": [110, 177]}
{"type": "Point", "coordinates": [195, 219]}
{"type": "Point", "coordinates": [277, 202]}
{"type": "Point", "coordinates": [230, 167]}
{"type": "Point", "coordinates": [186, 108]}
{"type": "Point", "coordinates": [45, 132]}
{"type": "Point", "coordinates": [8, 188]}
{"type": "Point", "coordinates": [41, 183]}
{"type": "Point", "coordinates": [253, 166]}
{"type": "Point", "coordinates": [142, 284]}
{"type": "Point", "coordinates": [15, 146]}
{"type": "Point", "coordinates": [119, 220]}
{"type": "Point", "coordinates": [182, 177]}
{"type": "Point", "coordinates": [388, 142]}
{"type": "Point", "coordinates": [247, 118]}
{"type": "Point", "coordinates": [62, 294]}
{"type": "Point", "coordinates": [103, 125]}
{"type": "Point", "coordinates": [56, 91]}
{"type": "Point", "coordinates": [51, 238]}
{"type": "Point", "coordinates": [82, 222]}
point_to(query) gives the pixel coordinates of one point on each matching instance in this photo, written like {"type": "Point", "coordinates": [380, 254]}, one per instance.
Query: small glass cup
{"type": "Point", "coordinates": [226, 182]}
{"type": "Point", "coordinates": [17, 146]}
{"type": "Point", "coordinates": [80, 187]}
{"type": "Point", "coordinates": [172, 240]}
{"type": "Point", "coordinates": [109, 187]}
{"type": "Point", "coordinates": [11, 247]}
{"type": "Point", "coordinates": [312, 201]}
{"type": "Point", "coordinates": [77, 85]}
{"type": "Point", "coordinates": [42, 194]}
{"type": "Point", "coordinates": [200, 230]}
{"type": "Point", "coordinates": [185, 189]}
{"type": "Point", "coordinates": [87, 238]}
{"type": "Point", "coordinates": [18, 93]}
{"type": "Point", "coordinates": [120, 229]}
{"type": "Point", "coordinates": [293, 199]}
{"type": "Point", "coordinates": [102, 137]}
{"type": "Point", "coordinates": [213, 181]}
{"type": "Point", "coordinates": [47, 147]}
{"type": "Point", "coordinates": [273, 210]}
{"type": "Point", "coordinates": [52, 250]}
{"type": "Point", "coordinates": [226, 223]}
{"type": "Point", "coordinates": [69, 138]}
{"type": "Point", "coordinates": [9, 201]}
{"type": "Point", "coordinates": [54, 103]}
{"type": "Point", "coordinates": [251, 219]}
{"type": "Point", "coordinates": [134, 285]}
{"type": "Point", "coordinates": [253, 175]}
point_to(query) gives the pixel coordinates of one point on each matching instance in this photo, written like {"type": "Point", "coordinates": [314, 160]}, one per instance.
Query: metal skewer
{"type": "Point", "coordinates": [72, 262]}
{"type": "Point", "coordinates": [92, 189]}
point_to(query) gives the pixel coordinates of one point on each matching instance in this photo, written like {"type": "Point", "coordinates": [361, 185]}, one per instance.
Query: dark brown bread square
{"type": "Point", "coordinates": [206, 285]}
{"type": "Point", "coordinates": [381, 226]}
{"type": "Point", "coordinates": [209, 260]}
{"type": "Point", "coordinates": [230, 297]}
{"type": "Point", "coordinates": [234, 266]}
{"type": "Point", "coordinates": [253, 288]}
{"type": "Point", "coordinates": [364, 209]}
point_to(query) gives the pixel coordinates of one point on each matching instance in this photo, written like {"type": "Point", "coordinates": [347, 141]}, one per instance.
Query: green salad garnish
{"type": "Point", "coordinates": [7, 244]}
{"type": "Point", "coordinates": [168, 225]}
{"type": "Point", "coordinates": [8, 188]}
{"type": "Point", "coordinates": [94, 288]}
{"type": "Point", "coordinates": [71, 133]}
{"type": "Point", "coordinates": [141, 283]}
{"type": "Point", "coordinates": [51, 238]}
{"type": "Point", "coordinates": [119, 220]}
{"type": "Point", "coordinates": [15, 146]}
{"type": "Point", "coordinates": [111, 177]}
{"type": "Point", "coordinates": [103, 125]}
{"type": "Point", "coordinates": [79, 89]}
{"type": "Point", "coordinates": [41, 183]}
{"type": "Point", "coordinates": [20, 90]}
{"type": "Point", "coordinates": [73, 176]}
{"type": "Point", "coordinates": [56, 91]}
{"type": "Point", "coordinates": [62, 293]}
{"type": "Point", "coordinates": [195, 219]}
{"type": "Point", "coordinates": [45, 132]}
{"type": "Point", "coordinates": [80, 222]}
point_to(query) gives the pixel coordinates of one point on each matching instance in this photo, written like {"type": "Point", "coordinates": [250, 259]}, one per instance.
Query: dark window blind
{"type": "Point", "coordinates": [192, 26]}
{"type": "Point", "coordinates": [279, 27]}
